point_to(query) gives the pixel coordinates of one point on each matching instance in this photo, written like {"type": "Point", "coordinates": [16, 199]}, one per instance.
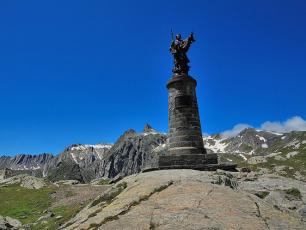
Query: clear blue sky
{"type": "Point", "coordinates": [86, 71]}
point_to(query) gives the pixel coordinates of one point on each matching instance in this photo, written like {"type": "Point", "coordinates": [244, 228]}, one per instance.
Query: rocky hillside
{"type": "Point", "coordinates": [282, 153]}
{"type": "Point", "coordinates": [130, 153]}
{"type": "Point", "coordinates": [188, 199]}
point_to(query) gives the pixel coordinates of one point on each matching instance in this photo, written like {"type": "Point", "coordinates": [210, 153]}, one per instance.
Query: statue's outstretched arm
{"type": "Point", "coordinates": [187, 42]}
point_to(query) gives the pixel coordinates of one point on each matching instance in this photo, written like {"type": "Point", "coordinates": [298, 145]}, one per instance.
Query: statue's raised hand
{"type": "Point", "coordinates": [191, 37]}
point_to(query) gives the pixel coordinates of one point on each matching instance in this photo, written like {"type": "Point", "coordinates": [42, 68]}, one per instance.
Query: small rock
{"type": "Point", "coordinates": [28, 226]}
{"type": "Point", "coordinates": [279, 158]}
{"type": "Point", "coordinates": [297, 175]}
{"type": "Point", "coordinates": [226, 178]}
{"type": "Point", "coordinates": [257, 160]}
{"type": "Point", "coordinates": [67, 182]}
{"type": "Point", "coordinates": [264, 171]}
{"type": "Point", "coordinates": [45, 217]}
{"type": "Point", "coordinates": [58, 217]}
{"type": "Point", "coordinates": [2, 222]}
{"type": "Point", "coordinates": [279, 168]}
{"type": "Point", "coordinates": [245, 169]}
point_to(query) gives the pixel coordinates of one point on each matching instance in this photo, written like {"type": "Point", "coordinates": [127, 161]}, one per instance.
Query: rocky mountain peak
{"type": "Point", "coordinates": [247, 131]}
{"type": "Point", "coordinates": [126, 134]}
{"type": "Point", "coordinates": [148, 128]}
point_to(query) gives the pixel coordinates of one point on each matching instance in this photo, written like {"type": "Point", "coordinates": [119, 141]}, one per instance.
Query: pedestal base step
{"type": "Point", "coordinates": [187, 159]}
{"type": "Point", "coordinates": [200, 167]}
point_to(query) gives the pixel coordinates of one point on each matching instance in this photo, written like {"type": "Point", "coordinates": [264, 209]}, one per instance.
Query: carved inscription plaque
{"type": "Point", "coordinates": [183, 101]}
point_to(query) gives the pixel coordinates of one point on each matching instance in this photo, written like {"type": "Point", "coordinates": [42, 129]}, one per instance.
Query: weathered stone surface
{"type": "Point", "coordinates": [182, 199]}
{"type": "Point", "coordinates": [302, 212]}
{"type": "Point", "coordinates": [9, 223]}
{"type": "Point", "coordinates": [25, 181]}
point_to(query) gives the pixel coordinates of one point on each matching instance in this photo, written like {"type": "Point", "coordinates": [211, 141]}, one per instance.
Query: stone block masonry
{"type": "Point", "coordinates": [185, 134]}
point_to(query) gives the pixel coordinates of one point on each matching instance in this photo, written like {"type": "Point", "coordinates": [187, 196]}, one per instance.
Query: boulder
{"type": "Point", "coordinates": [257, 160]}
{"type": "Point", "coordinates": [180, 199]}
{"type": "Point", "coordinates": [25, 181]}
{"type": "Point", "coordinates": [67, 182]}
{"type": "Point", "coordinates": [9, 223]}
{"type": "Point", "coordinates": [45, 217]}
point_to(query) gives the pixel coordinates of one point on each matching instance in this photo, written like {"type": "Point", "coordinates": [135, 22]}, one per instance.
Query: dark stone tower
{"type": "Point", "coordinates": [185, 135]}
{"type": "Point", "coordinates": [186, 149]}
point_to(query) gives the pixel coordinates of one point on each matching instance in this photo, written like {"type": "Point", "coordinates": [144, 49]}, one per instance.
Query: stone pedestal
{"type": "Point", "coordinates": [185, 135]}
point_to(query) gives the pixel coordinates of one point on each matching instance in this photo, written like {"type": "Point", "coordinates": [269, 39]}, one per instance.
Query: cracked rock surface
{"type": "Point", "coordinates": [181, 199]}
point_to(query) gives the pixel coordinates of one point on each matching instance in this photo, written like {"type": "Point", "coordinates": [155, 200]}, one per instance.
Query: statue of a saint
{"type": "Point", "coordinates": [179, 48]}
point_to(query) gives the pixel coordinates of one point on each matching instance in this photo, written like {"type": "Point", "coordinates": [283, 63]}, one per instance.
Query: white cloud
{"type": "Point", "coordinates": [292, 124]}
{"type": "Point", "coordinates": [234, 131]}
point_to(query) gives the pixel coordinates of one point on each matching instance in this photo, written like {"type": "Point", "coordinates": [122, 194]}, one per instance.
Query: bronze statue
{"type": "Point", "coordinates": [179, 48]}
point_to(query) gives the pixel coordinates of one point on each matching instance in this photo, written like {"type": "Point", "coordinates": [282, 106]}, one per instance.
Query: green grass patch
{"type": "Point", "coordinates": [104, 181]}
{"type": "Point", "coordinates": [69, 194]}
{"type": "Point", "coordinates": [262, 194]}
{"type": "Point", "coordinates": [294, 192]}
{"type": "Point", "coordinates": [66, 213]}
{"type": "Point", "coordinates": [24, 204]}
{"type": "Point", "coordinates": [110, 195]}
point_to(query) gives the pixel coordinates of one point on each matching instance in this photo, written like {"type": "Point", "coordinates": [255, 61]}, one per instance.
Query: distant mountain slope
{"type": "Point", "coordinates": [75, 158]}
{"type": "Point", "coordinates": [257, 142]}
{"type": "Point", "coordinates": [282, 153]}
{"type": "Point", "coordinates": [86, 162]}
{"type": "Point", "coordinates": [25, 161]}
{"type": "Point", "coordinates": [250, 148]}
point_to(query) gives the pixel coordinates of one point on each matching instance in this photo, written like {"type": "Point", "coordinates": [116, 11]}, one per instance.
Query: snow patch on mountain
{"type": "Point", "coordinates": [261, 138]}
{"type": "Point", "coordinates": [97, 146]}
{"type": "Point", "coordinates": [264, 146]}
{"type": "Point", "coordinates": [214, 144]}
{"type": "Point", "coordinates": [74, 157]}
{"type": "Point", "coordinates": [150, 132]}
